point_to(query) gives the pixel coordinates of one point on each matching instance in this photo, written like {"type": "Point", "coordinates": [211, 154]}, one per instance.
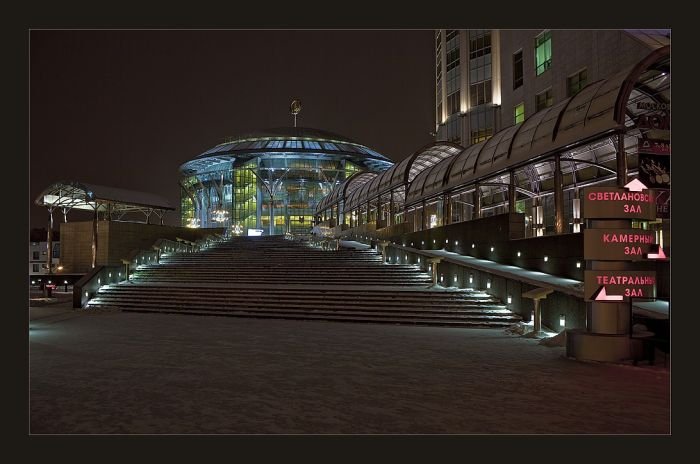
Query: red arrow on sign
{"type": "Point", "coordinates": [602, 295]}
{"type": "Point", "coordinates": [635, 186]}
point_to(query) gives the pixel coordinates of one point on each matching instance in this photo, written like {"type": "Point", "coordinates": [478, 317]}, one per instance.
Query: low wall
{"type": "Point", "coordinates": [450, 274]}
{"type": "Point", "coordinates": [504, 234]}
{"type": "Point", "coordinates": [115, 240]}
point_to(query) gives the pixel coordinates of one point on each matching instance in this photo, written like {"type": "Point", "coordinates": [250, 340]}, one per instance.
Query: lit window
{"type": "Point", "coordinates": [519, 113]}
{"type": "Point", "coordinates": [543, 52]}
{"type": "Point", "coordinates": [576, 82]}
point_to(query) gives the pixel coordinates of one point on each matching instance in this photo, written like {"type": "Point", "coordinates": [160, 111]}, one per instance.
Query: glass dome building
{"type": "Point", "coordinates": [270, 182]}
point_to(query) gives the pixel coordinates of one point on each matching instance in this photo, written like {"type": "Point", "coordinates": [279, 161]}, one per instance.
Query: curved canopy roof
{"type": "Point", "coordinates": [76, 195]}
{"type": "Point", "coordinates": [343, 190]}
{"type": "Point", "coordinates": [287, 140]}
{"type": "Point", "coordinates": [598, 109]}
{"type": "Point", "coordinates": [601, 108]}
{"type": "Point", "coordinates": [397, 176]}
{"type": "Point", "coordinates": [404, 172]}
{"type": "Point", "coordinates": [354, 196]}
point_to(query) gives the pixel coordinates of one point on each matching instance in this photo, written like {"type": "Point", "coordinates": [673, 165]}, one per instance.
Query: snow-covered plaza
{"type": "Point", "coordinates": [129, 373]}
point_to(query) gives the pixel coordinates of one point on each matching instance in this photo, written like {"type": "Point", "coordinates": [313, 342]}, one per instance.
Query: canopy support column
{"type": "Point", "coordinates": [49, 240]}
{"type": "Point", "coordinates": [558, 197]}
{"type": "Point", "coordinates": [94, 236]}
{"type": "Point", "coordinates": [621, 160]}
{"type": "Point", "coordinates": [390, 219]}
{"type": "Point", "coordinates": [511, 193]}
{"type": "Point", "coordinates": [447, 210]}
{"type": "Point", "coordinates": [477, 202]}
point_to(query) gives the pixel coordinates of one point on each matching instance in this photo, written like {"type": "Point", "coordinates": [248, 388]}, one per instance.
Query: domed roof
{"type": "Point", "coordinates": [296, 140]}
{"type": "Point", "coordinates": [294, 132]}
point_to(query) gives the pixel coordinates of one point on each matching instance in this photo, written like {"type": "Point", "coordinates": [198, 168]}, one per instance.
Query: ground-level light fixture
{"type": "Point", "coordinates": [546, 258]}
{"type": "Point", "coordinates": [491, 249]}
{"type": "Point", "coordinates": [518, 254]}
{"type": "Point", "coordinates": [578, 264]}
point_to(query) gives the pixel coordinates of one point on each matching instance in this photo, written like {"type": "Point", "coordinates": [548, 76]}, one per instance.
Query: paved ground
{"type": "Point", "coordinates": [114, 372]}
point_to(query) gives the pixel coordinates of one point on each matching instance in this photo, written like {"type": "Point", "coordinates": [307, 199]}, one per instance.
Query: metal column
{"type": "Point", "coordinates": [511, 193]}
{"type": "Point", "coordinates": [94, 236]}
{"type": "Point", "coordinates": [477, 202]}
{"type": "Point", "coordinates": [558, 197]}
{"type": "Point", "coordinates": [621, 160]}
{"type": "Point", "coordinates": [49, 240]}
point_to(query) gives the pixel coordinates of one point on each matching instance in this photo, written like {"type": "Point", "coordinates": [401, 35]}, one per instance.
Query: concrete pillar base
{"type": "Point", "coordinates": [588, 346]}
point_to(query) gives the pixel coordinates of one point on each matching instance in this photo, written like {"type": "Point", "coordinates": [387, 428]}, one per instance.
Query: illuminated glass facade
{"type": "Point", "coordinates": [277, 176]}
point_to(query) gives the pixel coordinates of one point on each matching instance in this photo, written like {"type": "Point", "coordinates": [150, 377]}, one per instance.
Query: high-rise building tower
{"type": "Point", "coordinates": [489, 79]}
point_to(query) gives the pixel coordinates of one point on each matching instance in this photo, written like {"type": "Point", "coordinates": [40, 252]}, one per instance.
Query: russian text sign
{"type": "Point", "coordinates": [601, 285]}
{"type": "Point", "coordinates": [618, 203]}
{"type": "Point", "coordinates": [617, 244]}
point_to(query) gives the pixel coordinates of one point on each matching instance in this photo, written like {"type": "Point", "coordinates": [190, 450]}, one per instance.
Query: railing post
{"type": "Point", "coordinates": [384, 244]}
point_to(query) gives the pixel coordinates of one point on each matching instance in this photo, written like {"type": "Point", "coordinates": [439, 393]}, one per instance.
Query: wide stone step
{"type": "Point", "coordinates": [342, 317]}
{"type": "Point", "coordinates": [312, 293]}
{"type": "Point", "coordinates": [284, 306]}
{"type": "Point", "coordinates": [270, 277]}
{"type": "Point", "coordinates": [371, 303]}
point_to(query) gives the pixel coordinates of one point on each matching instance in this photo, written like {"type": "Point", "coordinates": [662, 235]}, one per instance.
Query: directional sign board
{"type": "Point", "coordinates": [619, 203]}
{"type": "Point", "coordinates": [618, 244]}
{"type": "Point", "coordinates": [620, 286]}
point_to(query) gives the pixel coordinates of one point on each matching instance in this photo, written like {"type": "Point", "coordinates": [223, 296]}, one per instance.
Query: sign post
{"type": "Point", "coordinates": [611, 249]}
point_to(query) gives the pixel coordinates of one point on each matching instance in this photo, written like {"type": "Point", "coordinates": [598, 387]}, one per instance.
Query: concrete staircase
{"type": "Point", "coordinates": [278, 278]}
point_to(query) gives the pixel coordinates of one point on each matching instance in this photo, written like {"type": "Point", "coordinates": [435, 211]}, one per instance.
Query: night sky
{"type": "Point", "coordinates": [125, 108]}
